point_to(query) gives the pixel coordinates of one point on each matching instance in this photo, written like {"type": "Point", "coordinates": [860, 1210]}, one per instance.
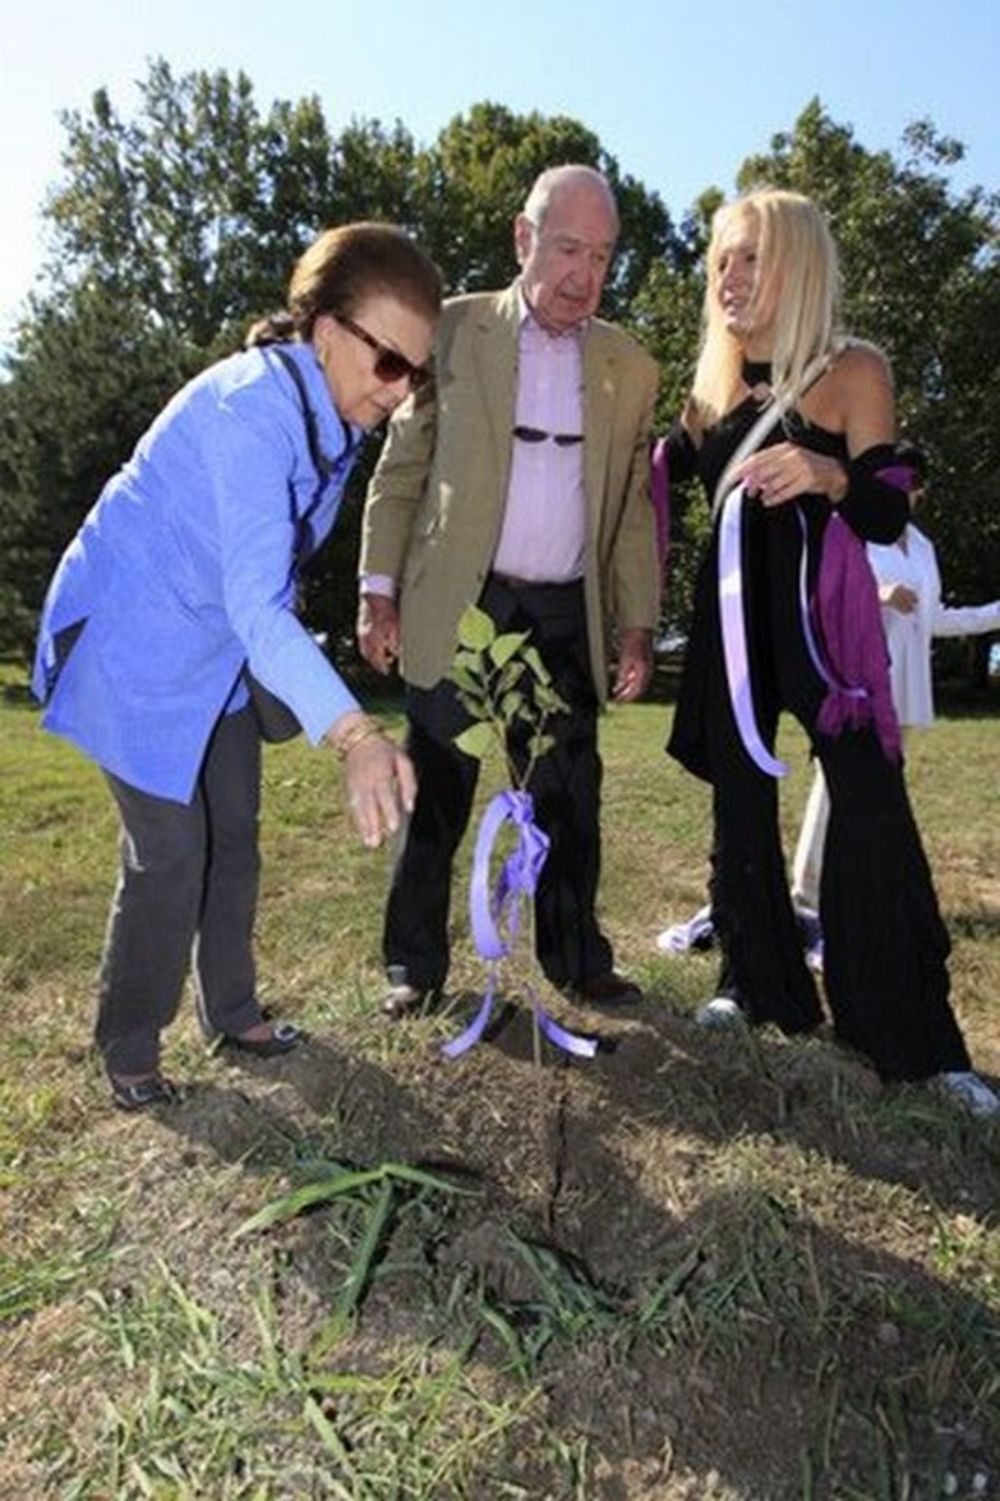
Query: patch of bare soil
{"type": "Point", "coordinates": [706, 1329]}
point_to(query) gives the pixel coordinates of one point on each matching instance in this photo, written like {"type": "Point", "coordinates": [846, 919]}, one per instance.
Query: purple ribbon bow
{"type": "Point", "coordinates": [496, 914]}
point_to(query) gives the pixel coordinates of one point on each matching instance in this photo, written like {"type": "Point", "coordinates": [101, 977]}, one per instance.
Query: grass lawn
{"type": "Point", "coordinates": [697, 1268]}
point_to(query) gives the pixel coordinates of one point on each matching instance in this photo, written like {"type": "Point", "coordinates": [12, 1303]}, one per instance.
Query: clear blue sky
{"type": "Point", "coordinates": [679, 92]}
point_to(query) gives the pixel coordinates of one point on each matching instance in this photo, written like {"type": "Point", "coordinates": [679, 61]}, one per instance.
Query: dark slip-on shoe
{"type": "Point", "coordinates": [142, 1094]}
{"type": "Point", "coordinates": [610, 989]}
{"type": "Point", "coordinates": [284, 1037]}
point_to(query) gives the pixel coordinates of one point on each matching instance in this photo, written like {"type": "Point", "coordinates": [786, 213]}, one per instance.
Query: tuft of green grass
{"type": "Point", "coordinates": [185, 1414]}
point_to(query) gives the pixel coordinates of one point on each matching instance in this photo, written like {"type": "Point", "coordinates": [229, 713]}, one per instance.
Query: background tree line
{"type": "Point", "coordinates": [172, 230]}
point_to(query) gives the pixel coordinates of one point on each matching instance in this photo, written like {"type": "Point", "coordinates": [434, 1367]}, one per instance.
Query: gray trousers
{"type": "Point", "coordinates": [187, 894]}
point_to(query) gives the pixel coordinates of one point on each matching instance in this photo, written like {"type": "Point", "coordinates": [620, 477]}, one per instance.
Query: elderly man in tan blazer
{"type": "Point", "coordinates": [518, 480]}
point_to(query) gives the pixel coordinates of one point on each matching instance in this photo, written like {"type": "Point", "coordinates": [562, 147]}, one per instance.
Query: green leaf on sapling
{"type": "Point", "coordinates": [504, 647]}
{"type": "Point", "coordinates": [536, 664]}
{"type": "Point", "coordinates": [475, 741]}
{"type": "Point", "coordinates": [463, 678]}
{"type": "Point", "coordinates": [476, 630]}
{"type": "Point", "coordinates": [474, 706]}
{"type": "Point", "coordinates": [470, 661]}
{"type": "Point", "coordinates": [511, 674]}
{"type": "Point", "coordinates": [548, 699]}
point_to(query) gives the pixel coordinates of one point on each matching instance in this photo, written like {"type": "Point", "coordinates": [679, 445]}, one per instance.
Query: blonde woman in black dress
{"type": "Point", "coordinates": [786, 617]}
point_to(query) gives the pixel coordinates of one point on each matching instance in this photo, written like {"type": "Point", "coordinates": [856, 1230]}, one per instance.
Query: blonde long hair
{"type": "Point", "coordinates": [797, 266]}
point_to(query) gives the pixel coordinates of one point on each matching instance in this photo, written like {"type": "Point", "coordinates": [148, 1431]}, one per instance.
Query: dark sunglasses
{"type": "Point", "coordinates": [390, 365]}
{"type": "Point", "coordinates": [535, 435]}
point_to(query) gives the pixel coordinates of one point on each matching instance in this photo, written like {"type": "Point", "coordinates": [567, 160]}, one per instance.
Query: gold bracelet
{"type": "Point", "coordinates": [354, 736]}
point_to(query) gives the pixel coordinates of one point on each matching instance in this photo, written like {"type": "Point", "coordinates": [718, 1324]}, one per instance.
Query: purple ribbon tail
{"type": "Point", "coordinates": [659, 494]}
{"type": "Point", "coordinates": [494, 912]}
{"type": "Point", "coordinates": [474, 1031]}
{"type": "Point", "coordinates": [805, 613]}
{"type": "Point", "coordinates": [570, 1042]}
{"type": "Point", "coordinates": [734, 640]}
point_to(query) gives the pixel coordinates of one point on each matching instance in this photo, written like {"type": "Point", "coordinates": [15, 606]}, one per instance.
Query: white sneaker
{"type": "Point", "coordinates": [814, 957]}
{"type": "Point", "coordinates": [681, 937]}
{"type": "Point", "coordinates": [969, 1090]}
{"type": "Point", "coordinates": [720, 1012]}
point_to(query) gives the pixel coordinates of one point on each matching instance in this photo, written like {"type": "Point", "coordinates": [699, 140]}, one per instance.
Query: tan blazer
{"type": "Point", "coordinates": [436, 501]}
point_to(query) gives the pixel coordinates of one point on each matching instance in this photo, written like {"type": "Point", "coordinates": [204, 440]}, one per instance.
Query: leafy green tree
{"type": "Point", "coordinates": [180, 225]}
{"type": "Point", "coordinates": [666, 316]}
{"type": "Point", "coordinates": [921, 280]}
{"type": "Point", "coordinates": [197, 207]}
{"type": "Point", "coordinates": [172, 229]}
{"type": "Point", "coordinates": [88, 370]}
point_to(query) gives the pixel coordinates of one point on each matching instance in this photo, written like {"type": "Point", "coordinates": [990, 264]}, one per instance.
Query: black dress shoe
{"type": "Point", "coordinates": [284, 1037]}
{"type": "Point", "coordinates": [142, 1094]}
{"type": "Point", "coordinates": [610, 989]}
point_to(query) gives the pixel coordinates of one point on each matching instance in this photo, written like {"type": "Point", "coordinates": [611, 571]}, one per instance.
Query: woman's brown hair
{"type": "Point", "coordinates": [345, 266]}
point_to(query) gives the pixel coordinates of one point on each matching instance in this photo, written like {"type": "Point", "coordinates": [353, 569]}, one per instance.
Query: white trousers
{"type": "Point", "coordinates": [807, 865]}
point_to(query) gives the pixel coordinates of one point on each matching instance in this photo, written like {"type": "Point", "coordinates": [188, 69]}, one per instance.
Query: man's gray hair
{"type": "Point", "coordinates": [553, 179]}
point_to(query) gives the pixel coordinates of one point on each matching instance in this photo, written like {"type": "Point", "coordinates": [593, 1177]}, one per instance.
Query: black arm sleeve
{"type": "Point", "coordinates": [876, 506]}
{"type": "Point", "coordinates": [682, 455]}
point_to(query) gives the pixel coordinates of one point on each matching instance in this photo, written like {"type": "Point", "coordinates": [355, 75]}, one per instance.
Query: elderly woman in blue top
{"type": "Point", "coordinates": [181, 580]}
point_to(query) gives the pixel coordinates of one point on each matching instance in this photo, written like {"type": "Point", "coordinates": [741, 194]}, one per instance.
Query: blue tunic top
{"type": "Point", "coordinates": [184, 572]}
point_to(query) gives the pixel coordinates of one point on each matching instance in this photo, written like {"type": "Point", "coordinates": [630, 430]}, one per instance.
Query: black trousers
{"type": "Point", "coordinates": [186, 896]}
{"type": "Point", "coordinates": [565, 784]}
{"type": "Point", "coordinates": [885, 945]}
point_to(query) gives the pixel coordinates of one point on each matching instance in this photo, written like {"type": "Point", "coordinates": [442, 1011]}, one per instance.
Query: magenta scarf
{"type": "Point", "coordinates": [848, 621]}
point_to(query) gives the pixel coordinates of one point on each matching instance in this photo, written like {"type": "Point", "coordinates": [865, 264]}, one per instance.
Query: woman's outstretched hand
{"type": "Point", "coordinates": [381, 783]}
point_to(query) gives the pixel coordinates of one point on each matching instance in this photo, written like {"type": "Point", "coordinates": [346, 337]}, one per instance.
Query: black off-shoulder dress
{"type": "Point", "coordinates": [885, 945]}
